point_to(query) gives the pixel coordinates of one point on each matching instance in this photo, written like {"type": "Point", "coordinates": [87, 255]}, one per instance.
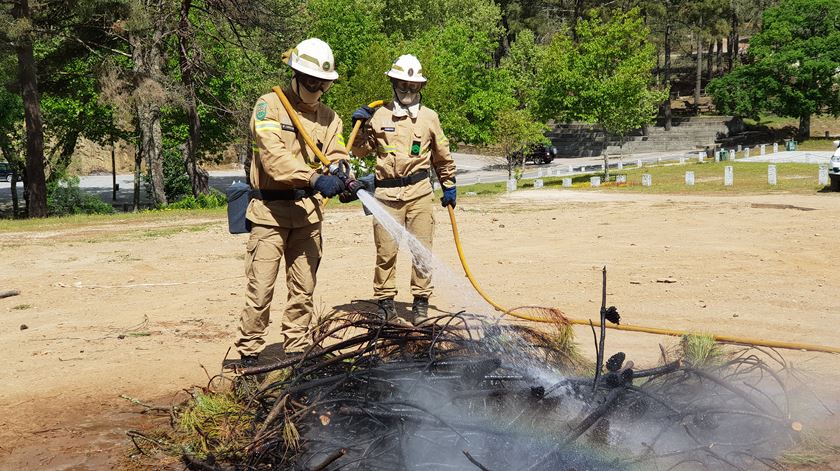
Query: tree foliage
{"type": "Point", "coordinates": [793, 65]}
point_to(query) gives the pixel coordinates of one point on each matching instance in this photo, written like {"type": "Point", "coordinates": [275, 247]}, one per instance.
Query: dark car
{"type": "Point", "coordinates": [541, 154]}
{"type": "Point", "coordinates": [5, 172]}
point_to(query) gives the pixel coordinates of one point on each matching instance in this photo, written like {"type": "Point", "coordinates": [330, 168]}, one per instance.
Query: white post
{"type": "Point", "coordinates": [746, 152]}
{"type": "Point", "coordinates": [682, 160]}
{"type": "Point", "coordinates": [620, 166]}
{"type": "Point", "coordinates": [567, 182]}
{"type": "Point", "coordinates": [594, 181]}
{"type": "Point", "coordinates": [763, 149]}
{"type": "Point", "coordinates": [549, 172]}
{"type": "Point", "coordinates": [739, 147]}
{"type": "Point", "coordinates": [571, 169]}
{"type": "Point", "coordinates": [689, 178]}
{"type": "Point", "coordinates": [701, 156]}
{"type": "Point", "coordinates": [621, 179]}
{"type": "Point", "coordinates": [775, 147]}
{"type": "Point", "coordinates": [728, 177]}
{"type": "Point", "coordinates": [538, 183]}
{"type": "Point", "coordinates": [733, 153]}
{"type": "Point", "coordinates": [771, 174]}
{"type": "Point", "coordinates": [717, 156]}
{"type": "Point", "coordinates": [638, 163]}
{"type": "Point", "coordinates": [511, 185]}
{"type": "Point", "coordinates": [823, 175]}
{"type": "Point", "coordinates": [646, 179]}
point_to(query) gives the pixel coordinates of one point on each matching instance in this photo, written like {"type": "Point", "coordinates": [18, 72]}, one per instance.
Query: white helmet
{"type": "Point", "coordinates": [407, 67]}
{"type": "Point", "coordinates": [313, 57]}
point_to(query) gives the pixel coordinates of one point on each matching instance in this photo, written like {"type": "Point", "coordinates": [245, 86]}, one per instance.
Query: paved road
{"type": "Point", "coordinates": [471, 169]}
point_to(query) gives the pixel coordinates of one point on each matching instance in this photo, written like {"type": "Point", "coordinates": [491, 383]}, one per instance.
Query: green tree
{"type": "Point", "coordinates": [515, 131]}
{"type": "Point", "coordinates": [793, 66]}
{"type": "Point", "coordinates": [606, 78]}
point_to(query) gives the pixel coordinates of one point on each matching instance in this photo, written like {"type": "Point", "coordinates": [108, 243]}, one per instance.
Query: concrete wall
{"type": "Point", "coordinates": [584, 140]}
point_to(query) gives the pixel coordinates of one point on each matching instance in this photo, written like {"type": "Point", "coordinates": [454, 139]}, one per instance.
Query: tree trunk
{"type": "Point", "coordinates": [147, 55]}
{"type": "Point", "coordinates": [575, 16]}
{"type": "Point", "coordinates": [113, 171]}
{"type": "Point", "coordinates": [710, 60]}
{"type": "Point", "coordinates": [58, 166]}
{"type": "Point", "coordinates": [805, 126]}
{"type": "Point", "coordinates": [6, 149]}
{"type": "Point", "coordinates": [719, 55]}
{"type": "Point", "coordinates": [667, 78]}
{"type": "Point", "coordinates": [732, 52]}
{"type": "Point", "coordinates": [138, 162]}
{"type": "Point", "coordinates": [607, 162]}
{"type": "Point", "coordinates": [198, 176]}
{"type": "Point", "coordinates": [699, 75]}
{"type": "Point", "coordinates": [37, 184]}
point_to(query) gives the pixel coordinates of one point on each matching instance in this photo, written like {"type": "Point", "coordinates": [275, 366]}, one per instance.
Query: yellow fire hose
{"type": "Point", "coordinates": [628, 328]}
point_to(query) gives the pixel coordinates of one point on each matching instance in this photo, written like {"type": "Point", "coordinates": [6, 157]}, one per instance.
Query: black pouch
{"type": "Point", "coordinates": [238, 196]}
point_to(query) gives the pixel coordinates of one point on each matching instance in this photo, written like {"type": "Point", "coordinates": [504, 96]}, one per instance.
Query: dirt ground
{"type": "Point", "coordinates": [143, 309]}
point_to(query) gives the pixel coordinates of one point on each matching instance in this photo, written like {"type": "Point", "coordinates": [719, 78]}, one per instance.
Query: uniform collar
{"type": "Point", "coordinates": [399, 111]}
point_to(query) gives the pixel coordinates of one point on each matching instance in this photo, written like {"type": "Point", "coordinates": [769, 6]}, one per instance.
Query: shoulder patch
{"type": "Point", "coordinates": [262, 110]}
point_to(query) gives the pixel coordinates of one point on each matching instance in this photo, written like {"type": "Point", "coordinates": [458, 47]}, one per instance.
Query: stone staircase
{"type": "Point", "coordinates": [687, 133]}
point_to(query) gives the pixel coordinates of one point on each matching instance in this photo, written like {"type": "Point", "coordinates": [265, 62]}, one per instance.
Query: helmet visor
{"type": "Point", "coordinates": [313, 84]}
{"type": "Point", "coordinates": [402, 86]}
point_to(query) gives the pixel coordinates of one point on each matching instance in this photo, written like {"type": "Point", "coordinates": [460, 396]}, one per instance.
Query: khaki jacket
{"type": "Point", "coordinates": [282, 161]}
{"type": "Point", "coordinates": [392, 138]}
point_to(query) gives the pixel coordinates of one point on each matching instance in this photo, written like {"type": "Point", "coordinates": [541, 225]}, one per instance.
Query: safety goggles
{"type": "Point", "coordinates": [313, 84]}
{"type": "Point", "coordinates": [403, 86]}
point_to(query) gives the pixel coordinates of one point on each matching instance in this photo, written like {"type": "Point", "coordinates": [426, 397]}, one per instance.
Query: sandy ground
{"type": "Point", "coordinates": [141, 309]}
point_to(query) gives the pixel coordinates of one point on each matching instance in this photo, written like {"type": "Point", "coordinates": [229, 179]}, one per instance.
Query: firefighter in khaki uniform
{"type": "Point", "coordinates": [408, 140]}
{"type": "Point", "coordinates": [285, 209]}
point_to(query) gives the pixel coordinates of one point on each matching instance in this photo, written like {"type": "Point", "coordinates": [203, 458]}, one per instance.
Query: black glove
{"type": "Point", "coordinates": [328, 185]}
{"type": "Point", "coordinates": [364, 113]}
{"type": "Point", "coordinates": [448, 198]}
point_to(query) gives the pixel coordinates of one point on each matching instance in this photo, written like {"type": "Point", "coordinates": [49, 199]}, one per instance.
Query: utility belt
{"type": "Point", "coordinates": [282, 195]}
{"type": "Point", "coordinates": [403, 181]}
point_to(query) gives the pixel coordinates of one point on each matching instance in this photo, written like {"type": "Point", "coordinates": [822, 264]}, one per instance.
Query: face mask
{"type": "Point", "coordinates": [407, 93]}
{"type": "Point", "coordinates": [407, 99]}
{"type": "Point", "coordinates": [310, 97]}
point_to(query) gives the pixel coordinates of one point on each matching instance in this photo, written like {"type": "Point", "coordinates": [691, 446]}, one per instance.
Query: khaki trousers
{"type": "Point", "coordinates": [418, 217]}
{"type": "Point", "coordinates": [266, 247]}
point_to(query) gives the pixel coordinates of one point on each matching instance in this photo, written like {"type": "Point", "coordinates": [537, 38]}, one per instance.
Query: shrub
{"type": "Point", "coordinates": [214, 199]}
{"type": "Point", "coordinates": [65, 198]}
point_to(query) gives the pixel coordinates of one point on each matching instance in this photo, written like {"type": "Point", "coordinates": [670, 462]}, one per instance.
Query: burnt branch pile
{"type": "Point", "coordinates": [460, 393]}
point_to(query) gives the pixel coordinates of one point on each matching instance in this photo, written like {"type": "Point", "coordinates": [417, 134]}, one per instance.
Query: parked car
{"type": "Point", "coordinates": [5, 172]}
{"type": "Point", "coordinates": [834, 168]}
{"type": "Point", "coordinates": [538, 154]}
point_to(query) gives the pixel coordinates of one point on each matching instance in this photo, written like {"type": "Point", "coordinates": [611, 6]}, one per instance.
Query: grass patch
{"type": "Point", "coordinates": [701, 350]}
{"type": "Point", "coordinates": [749, 178]}
{"type": "Point", "coordinates": [22, 307]}
{"type": "Point", "coordinates": [812, 450]}
{"type": "Point", "coordinates": [217, 423]}
{"type": "Point", "coordinates": [84, 220]}
{"type": "Point", "coordinates": [168, 231]}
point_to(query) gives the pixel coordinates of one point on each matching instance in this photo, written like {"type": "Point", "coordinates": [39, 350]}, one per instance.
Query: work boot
{"type": "Point", "coordinates": [420, 308]}
{"type": "Point", "coordinates": [387, 310]}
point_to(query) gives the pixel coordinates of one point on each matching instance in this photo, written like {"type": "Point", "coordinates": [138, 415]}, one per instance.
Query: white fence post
{"type": "Point", "coordinates": [538, 183]}
{"type": "Point", "coordinates": [567, 182]}
{"type": "Point", "coordinates": [594, 181]}
{"type": "Point", "coordinates": [823, 175]}
{"type": "Point", "coordinates": [728, 177]}
{"type": "Point", "coordinates": [771, 174]}
{"type": "Point", "coordinates": [646, 179]}
{"type": "Point", "coordinates": [511, 185]}
{"type": "Point", "coordinates": [689, 178]}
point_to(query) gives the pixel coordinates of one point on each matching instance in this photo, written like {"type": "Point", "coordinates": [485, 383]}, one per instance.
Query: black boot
{"type": "Point", "coordinates": [420, 308]}
{"type": "Point", "coordinates": [387, 310]}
